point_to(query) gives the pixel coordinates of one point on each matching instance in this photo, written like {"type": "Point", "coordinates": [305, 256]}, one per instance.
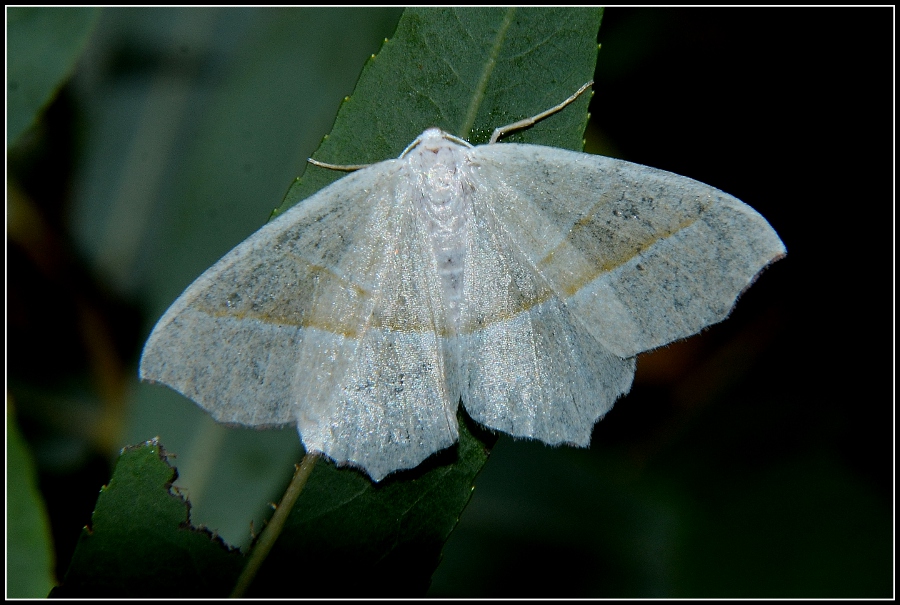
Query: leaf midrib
{"type": "Point", "coordinates": [481, 87]}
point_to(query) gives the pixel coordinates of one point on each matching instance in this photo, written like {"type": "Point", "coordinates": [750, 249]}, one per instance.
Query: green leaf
{"type": "Point", "coordinates": [140, 542]}
{"type": "Point", "coordinates": [467, 71]}
{"type": "Point", "coordinates": [348, 536]}
{"type": "Point", "coordinates": [42, 48]}
{"type": "Point", "coordinates": [29, 552]}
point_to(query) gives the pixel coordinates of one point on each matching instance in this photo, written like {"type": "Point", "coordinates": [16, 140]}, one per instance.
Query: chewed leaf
{"type": "Point", "coordinates": [140, 542]}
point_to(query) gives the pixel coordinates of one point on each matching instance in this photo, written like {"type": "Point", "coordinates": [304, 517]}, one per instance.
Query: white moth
{"type": "Point", "coordinates": [520, 279]}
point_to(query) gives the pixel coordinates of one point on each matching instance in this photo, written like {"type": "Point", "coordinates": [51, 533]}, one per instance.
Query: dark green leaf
{"type": "Point", "coordinates": [42, 48]}
{"type": "Point", "coordinates": [467, 71]}
{"type": "Point", "coordinates": [140, 542]}
{"type": "Point", "coordinates": [350, 537]}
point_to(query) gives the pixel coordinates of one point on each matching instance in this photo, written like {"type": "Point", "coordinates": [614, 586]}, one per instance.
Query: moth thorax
{"type": "Point", "coordinates": [444, 202]}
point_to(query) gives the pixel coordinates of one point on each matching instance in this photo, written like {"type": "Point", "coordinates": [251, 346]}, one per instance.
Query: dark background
{"type": "Point", "coordinates": [753, 460]}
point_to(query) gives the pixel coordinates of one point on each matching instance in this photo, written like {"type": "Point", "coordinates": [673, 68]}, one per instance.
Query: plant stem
{"type": "Point", "coordinates": [276, 523]}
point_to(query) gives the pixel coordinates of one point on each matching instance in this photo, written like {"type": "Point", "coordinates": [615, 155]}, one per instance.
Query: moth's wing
{"type": "Point", "coordinates": [230, 342]}
{"type": "Point", "coordinates": [528, 366]}
{"type": "Point", "coordinates": [641, 256]}
{"type": "Point", "coordinates": [294, 325]}
{"type": "Point", "coordinates": [374, 391]}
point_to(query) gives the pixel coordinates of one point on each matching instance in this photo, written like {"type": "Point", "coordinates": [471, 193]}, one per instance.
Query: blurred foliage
{"type": "Point", "coordinates": [29, 553]}
{"type": "Point", "coordinates": [753, 460]}
{"type": "Point", "coordinates": [42, 48]}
